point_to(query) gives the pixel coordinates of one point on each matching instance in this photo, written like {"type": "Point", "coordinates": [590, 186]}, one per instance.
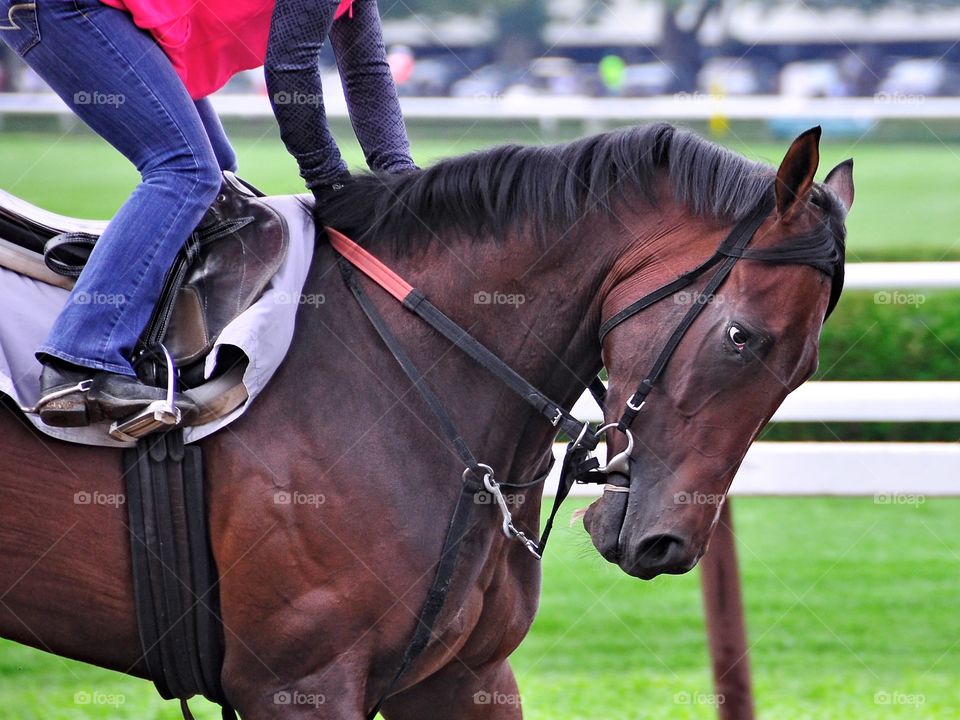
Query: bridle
{"type": "Point", "coordinates": [579, 464]}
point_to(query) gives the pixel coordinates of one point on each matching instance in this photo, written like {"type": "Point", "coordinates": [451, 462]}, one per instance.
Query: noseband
{"type": "Point", "coordinates": [579, 464]}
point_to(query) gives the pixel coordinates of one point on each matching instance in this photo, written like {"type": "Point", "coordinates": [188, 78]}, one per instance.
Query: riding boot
{"type": "Point", "coordinates": [63, 395]}
{"type": "Point", "coordinates": [73, 396]}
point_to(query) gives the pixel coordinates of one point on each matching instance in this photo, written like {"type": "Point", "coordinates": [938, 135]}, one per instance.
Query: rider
{"type": "Point", "coordinates": [145, 94]}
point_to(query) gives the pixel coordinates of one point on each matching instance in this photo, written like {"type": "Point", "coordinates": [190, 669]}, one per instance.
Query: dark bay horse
{"type": "Point", "coordinates": [330, 498]}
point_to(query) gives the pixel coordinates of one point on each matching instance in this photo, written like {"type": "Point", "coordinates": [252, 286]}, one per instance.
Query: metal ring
{"type": "Point", "coordinates": [482, 466]}
{"type": "Point", "coordinates": [583, 433]}
{"type": "Point", "coordinates": [604, 428]}
{"type": "Point", "coordinates": [620, 463]}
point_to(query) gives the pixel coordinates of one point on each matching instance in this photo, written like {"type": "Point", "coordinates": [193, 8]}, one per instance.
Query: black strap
{"type": "Point", "coordinates": [598, 390]}
{"type": "Point", "coordinates": [459, 528]}
{"type": "Point", "coordinates": [408, 366]}
{"type": "Point", "coordinates": [174, 576]}
{"type": "Point", "coordinates": [578, 466]}
{"type": "Point", "coordinates": [657, 295]}
{"type": "Point", "coordinates": [66, 254]}
{"type": "Point", "coordinates": [726, 256]}
{"type": "Point", "coordinates": [460, 523]}
{"type": "Point", "coordinates": [417, 303]}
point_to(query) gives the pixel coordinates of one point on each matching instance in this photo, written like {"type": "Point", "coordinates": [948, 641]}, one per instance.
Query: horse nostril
{"type": "Point", "coordinates": [659, 550]}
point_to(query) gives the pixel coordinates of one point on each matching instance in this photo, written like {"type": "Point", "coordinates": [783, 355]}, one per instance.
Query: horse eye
{"type": "Point", "coordinates": [738, 337]}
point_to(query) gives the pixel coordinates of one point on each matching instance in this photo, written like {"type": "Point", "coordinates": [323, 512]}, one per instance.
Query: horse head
{"type": "Point", "coordinates": [754, 340]}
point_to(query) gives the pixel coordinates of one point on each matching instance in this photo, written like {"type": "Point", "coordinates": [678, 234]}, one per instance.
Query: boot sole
{"type": "Point", "coordinates": [66, 413]}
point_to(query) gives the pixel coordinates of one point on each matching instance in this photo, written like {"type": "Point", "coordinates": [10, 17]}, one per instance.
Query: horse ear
{"type": "Point", "coordinates": [795, 176]}
{"type": "Point", "coordinates": [840, 180]}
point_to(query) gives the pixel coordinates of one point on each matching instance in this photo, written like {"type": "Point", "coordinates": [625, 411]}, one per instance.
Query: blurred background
{"type": "Point", "coordinates": [851, 602]}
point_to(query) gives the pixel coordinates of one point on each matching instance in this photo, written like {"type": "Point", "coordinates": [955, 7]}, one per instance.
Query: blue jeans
{"type": "Point", "coordinates": [121, 84]}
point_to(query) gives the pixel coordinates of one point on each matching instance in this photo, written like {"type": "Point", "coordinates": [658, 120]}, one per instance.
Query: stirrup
{"type": "Point", "coordinates": [158, 415]}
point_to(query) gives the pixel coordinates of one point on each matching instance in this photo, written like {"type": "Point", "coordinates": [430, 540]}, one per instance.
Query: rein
{"type": "Point", "coordinates": [579, 465]}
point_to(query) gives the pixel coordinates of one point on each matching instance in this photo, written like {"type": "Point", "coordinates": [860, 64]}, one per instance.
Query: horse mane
{"type": "Point", "coordinates": [490, 192]}
{"type": "Point", "coordinates": [487, 194]}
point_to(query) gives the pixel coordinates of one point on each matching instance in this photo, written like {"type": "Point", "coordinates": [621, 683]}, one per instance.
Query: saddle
{"type": "Point", "coordinates": [215, 278]}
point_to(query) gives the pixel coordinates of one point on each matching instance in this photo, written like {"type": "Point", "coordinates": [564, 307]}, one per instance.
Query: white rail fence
{"type": "Point", "coordinates": [877, 469]}
{"type": "Point", "coordinates": [548, 110]}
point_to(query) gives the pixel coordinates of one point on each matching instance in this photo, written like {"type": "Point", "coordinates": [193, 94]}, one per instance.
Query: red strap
{"type": "Point", "coordinates": [369, 265]}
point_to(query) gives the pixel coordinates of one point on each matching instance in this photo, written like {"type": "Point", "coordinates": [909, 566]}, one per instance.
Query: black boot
{"type": "Point", "coordinates": [63, 394]}
{"type": "Point", "coordinates": [72, 396]}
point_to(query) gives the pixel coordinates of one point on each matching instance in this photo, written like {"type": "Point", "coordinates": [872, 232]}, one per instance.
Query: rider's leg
{"type": "Point", "coordinates": [116, 78]}
{"type": "Point", "coordinates": [357, 42]}
{"type": "Point", "coordinates": [222, 149]}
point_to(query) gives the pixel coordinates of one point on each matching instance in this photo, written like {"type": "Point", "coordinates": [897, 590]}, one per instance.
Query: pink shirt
{"type": "Point", "coordinates": [208, 42]}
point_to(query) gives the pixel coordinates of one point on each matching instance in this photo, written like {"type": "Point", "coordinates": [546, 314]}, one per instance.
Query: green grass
{"type": "Point", "coordinates": [847, 601]}
{"type": "Point", "coordinates": [905, 209]}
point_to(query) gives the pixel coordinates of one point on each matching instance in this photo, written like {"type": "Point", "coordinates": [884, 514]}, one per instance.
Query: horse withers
{"type": "Point", "coordinates": [330, 498]}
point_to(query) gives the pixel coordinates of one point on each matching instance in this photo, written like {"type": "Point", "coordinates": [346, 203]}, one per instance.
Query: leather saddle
{"type": "Point", "coordinates": [216, 277]}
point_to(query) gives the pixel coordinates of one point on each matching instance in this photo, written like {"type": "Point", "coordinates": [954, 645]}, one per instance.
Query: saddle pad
{"type": "Point", "coordinates": [263, 332]}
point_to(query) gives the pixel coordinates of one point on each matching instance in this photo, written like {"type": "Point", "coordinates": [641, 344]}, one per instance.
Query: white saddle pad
{"type": "Point", "coordinates": [263, 332]}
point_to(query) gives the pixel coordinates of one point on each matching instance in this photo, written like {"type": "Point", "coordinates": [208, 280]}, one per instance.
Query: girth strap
{"type": "Point", "coordinates": [174, 578]}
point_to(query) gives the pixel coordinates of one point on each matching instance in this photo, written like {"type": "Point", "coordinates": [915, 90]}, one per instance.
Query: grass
{"type": "Point", "coordinates": [849, 604]}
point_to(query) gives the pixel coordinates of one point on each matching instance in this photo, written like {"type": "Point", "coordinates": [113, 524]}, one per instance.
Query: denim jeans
{"type": "Point", "coordinates": [120, 83]}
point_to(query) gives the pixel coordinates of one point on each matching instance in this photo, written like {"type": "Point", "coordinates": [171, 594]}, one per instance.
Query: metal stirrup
{"type": "Point", "coordinates": [158, 415]}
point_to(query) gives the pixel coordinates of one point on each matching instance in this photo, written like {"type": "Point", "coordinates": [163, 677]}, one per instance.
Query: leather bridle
{"type": "Point", "coordinates": [579, 465]}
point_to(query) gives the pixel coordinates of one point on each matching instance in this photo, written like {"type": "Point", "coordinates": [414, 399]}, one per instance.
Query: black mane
{"type": "Point", "coordinates": [487, 194]}
{"type": "Point", "coordinates": [490, 192]}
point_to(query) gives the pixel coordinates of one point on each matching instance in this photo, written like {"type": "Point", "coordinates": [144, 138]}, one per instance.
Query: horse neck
{"type": "Point", "coordinates": [537, 306]}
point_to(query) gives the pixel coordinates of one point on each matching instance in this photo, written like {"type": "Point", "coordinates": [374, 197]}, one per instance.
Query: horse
{"type": "Point", "coordinates": [329, 499]}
